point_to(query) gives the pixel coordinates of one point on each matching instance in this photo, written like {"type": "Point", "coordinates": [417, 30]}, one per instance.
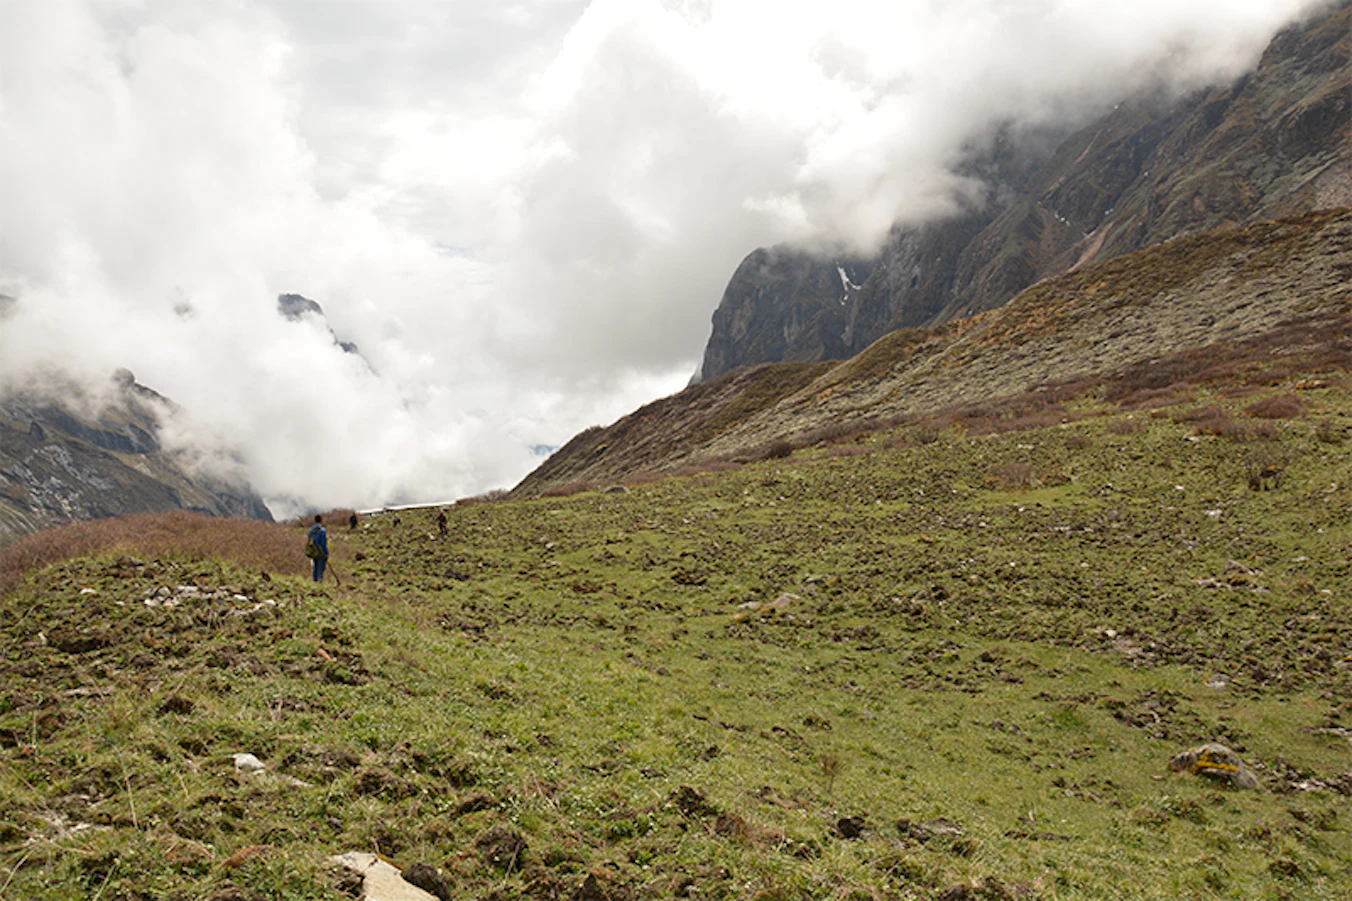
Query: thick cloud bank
{"type": "Point", "coordinates": [523, 213]}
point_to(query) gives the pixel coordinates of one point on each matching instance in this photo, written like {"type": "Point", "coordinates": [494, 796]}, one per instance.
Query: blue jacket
{"type": "Point", "coordinates": [320, 537]}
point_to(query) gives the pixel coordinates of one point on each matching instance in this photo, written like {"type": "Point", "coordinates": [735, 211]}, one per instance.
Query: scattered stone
{"type": "Point", "coordinates": [248, 764]}
{"type": "Point", "coordinates": [1217, 762]}
{"type": "Point", "coordinates": [166, 597]}
{"type": "Point", "coordinates": [1219, 682]}
{"type": "Point", "coordinates": [381, 880]}
{"type": "Point", "coordinates": [923, 832]}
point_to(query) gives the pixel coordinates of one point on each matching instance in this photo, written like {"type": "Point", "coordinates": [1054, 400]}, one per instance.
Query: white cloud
{"type": "Point", "coordinates": [524, 213]}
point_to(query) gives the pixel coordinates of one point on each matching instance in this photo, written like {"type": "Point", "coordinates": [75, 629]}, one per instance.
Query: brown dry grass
{"type": "Point", "coordinates": [271, 547]}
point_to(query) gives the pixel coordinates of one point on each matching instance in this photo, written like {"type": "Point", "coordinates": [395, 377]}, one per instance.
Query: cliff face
{"type": "Point", "coordinates": [1277, 142]}
{"type": "Point", "coordinates": [783, 306]}
{"type": "Point", "coordinates": [64, 457]}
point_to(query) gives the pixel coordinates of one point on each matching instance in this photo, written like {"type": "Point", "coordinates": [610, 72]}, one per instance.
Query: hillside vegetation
{"type": "Point", "coordinates": [1250, 305]}
{"type": "Point", "coordinates": [932, 661]}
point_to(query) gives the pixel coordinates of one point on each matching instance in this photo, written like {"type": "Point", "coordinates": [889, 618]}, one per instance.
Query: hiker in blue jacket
{"type": "Point", "coordinates": [317, 547]}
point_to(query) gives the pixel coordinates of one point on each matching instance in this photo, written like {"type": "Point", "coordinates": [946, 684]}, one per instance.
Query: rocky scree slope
{"type": "Point", "coordinates": [64, 457]}
{"type": "Point", "coordinates": [1249, 304]}
{"type": "Point", "coordinates": [1275, 143]}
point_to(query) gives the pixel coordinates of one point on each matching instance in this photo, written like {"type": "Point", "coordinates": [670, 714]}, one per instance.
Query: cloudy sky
{"type": "Point", "coordinates": [523, 212]}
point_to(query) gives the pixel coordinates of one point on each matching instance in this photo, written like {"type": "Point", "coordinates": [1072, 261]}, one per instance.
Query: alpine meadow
{"type": "Point", "coordinates": [939, 654]}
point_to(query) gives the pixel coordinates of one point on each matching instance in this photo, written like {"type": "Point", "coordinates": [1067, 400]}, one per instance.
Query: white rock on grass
{"type": "Point", "coordinates": [381, 880]}
{"type": "Point", "coordinates": [248, 764]}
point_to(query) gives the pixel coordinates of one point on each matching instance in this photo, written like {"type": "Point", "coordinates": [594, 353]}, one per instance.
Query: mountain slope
{"type": "Point", "coordinates": [1276, 143]}
{"type": "Point", "coordinates": [1199, 308]}
{"type": "Point", "coordinates": [65, 456]}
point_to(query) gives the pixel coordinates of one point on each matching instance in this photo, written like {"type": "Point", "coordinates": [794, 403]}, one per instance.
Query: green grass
{"type": "Point", "coordinates": [683, 691]}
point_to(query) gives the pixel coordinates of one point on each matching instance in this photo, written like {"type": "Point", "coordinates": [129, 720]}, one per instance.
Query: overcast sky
{"type": "Point", "coordinates": [523, 212]}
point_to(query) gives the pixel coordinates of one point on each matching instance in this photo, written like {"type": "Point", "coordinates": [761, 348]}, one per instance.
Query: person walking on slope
{"type": "Point", "coordinates": [317, 547]}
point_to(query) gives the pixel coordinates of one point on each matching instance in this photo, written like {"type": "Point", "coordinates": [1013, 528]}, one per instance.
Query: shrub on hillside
{"type": "Point", "coordinates": [1222, 426]}
{"type": "Point", "coordinates": [776, 450]}
{"type": "Point", "coordinates": [493, 496]}
{"type": "Point", "coordinates": [1280, 406]}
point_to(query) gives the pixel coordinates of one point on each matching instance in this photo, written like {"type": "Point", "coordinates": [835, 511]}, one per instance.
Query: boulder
{"type": "Point", "coordinates": [1216, 762]}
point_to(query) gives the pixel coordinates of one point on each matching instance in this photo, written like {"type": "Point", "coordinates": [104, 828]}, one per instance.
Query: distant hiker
{"type": "Point", "coordinates": [317, 547]}
{"type": "Point", "coordinates": [395, 521]}
{"type": "Point", "coordinates": [441, 522]}
{"type": "Point", "coordinates": [352, 522]}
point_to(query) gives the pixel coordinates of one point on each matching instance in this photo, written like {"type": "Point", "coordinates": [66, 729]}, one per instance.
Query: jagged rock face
{"type": "Point", "coordinates": [60, 463]}
{"type": "Point", "coordinates": [1276, 143]}
{"type": "Point", "coordinates": [782, 306]}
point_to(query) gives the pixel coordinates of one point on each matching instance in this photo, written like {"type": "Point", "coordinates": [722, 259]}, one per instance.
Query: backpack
{"type": "Point", "coordinates": [311, 547]}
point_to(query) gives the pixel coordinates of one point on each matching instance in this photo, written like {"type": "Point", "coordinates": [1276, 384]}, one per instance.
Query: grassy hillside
{"type": "Point", "coordinates": [1251, 305]}
{"type": "Point", "coordinates": [930, 663]}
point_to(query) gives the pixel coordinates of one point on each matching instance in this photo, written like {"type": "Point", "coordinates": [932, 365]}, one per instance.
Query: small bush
{"type": "Point", "coordinates": [496, 495]}
{"type": "Point", "coordinates": [838, 432]}
{"type": "Point", "coordinates": [1078, 442]}
{"type": "Point", "coordinates": [1155, 398]}
{"type": "Point", "coordinates": [776, 450]}
{"type": "Point", "coordinates": [1280, 406]}
{"type": "Point", "coordinates": [1223, 426]}
{"type": "Point", "coordinates": [916, 436]}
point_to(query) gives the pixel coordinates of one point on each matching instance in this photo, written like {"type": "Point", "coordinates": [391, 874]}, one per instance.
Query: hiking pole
{"type": "Point", "coordinates": [337, 581]}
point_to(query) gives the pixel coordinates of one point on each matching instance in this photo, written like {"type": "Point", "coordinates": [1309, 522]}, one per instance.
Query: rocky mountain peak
{"type": "Point", "coordinates": [1277, 142]}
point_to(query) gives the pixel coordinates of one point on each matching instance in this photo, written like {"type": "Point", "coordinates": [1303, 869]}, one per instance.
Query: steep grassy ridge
{"type": "Point", "coordinates": [926, 665]}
